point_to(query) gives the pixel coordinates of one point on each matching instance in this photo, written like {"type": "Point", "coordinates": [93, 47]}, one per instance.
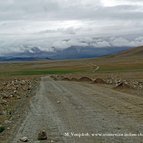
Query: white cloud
{"type": "Point", "coordinates": [110, 3]}
{"type": "Point", "coordinates": [103, 44]}
{"type": "Point", "coordinates": [120, 42]}
{"type": "Point", "coordinates": [47, 23]}
{"type": "Point", "coordinates": [46, 43]}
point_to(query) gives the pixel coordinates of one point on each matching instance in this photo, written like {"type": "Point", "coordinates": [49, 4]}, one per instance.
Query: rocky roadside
{"type": "Point", "coordinates": [14, 97]}
{"type": "Point", "coordinates": [124, 85]}
{"type": "Point", "coordinates": [133, 84]}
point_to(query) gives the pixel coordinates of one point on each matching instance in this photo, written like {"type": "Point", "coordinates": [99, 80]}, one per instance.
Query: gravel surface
{"type": "Point", "coordinates": [61, 107]}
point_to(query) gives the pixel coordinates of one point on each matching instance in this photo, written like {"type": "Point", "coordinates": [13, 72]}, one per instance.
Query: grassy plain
{"type": "Point", "coordinates": [128, 63]}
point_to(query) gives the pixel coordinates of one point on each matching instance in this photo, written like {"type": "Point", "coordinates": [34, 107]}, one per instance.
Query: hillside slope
{"type": "Point", "coordinates": [131, 53]}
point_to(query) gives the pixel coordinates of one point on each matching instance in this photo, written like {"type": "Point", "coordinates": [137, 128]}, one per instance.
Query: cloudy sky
{"type": "Point", "coordinates": [62, 23]}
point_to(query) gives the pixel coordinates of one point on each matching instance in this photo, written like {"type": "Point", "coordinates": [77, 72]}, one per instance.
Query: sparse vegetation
{"type": "Point", "coordinates": [43, 72]}
{"type": "Point", "coordinates": [18, 79]}
{"type": "Point", "coordinates": [121, 67]}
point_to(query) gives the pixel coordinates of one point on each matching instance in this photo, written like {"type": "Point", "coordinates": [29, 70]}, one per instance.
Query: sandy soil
{"type": "Point", "coordinates": [61, 107]}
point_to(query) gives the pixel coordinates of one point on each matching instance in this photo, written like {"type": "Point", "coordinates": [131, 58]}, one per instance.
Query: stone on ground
{"type": "Point", "coordinates": [42, 135]}
{"type": "Point", "coordinates": [24, 139]}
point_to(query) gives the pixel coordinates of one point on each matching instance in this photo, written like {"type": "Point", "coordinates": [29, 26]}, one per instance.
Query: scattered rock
{"type": "Point", "coordinates": [42, 135]}
{"type": "Point", "coordinates": [73, 79]}
{"type": "Point", "coordinates": [60, 77]}
{"type": "Point", "coordinates": [24, 139]}
{"type": "Point", "coordinates": [29, 88]}
{"type": "Point", "coordinates": [9, 112]}
{"type": "Point", "coordinates": [6, 96]}
{"type": "Point", "coordinates": [53, 77]}
{"type": "Point", "coordinates": [58, 102]}
{"type": "Point", "coordinates": [109, 81]}
{"type": "Point", "coordinates": [99, 81]}
{"type": "Point", "coordinates": [86, 79]}
{"type": "Point", "coordinates": [118, 128]}
{"type": "Point", "coordinates": [15, 91]}
{"type": "Point", "coordinates": [7, 122]}
{"type": "Point", "coordinates": [123, 85]}
{"type": "Point", "coordinates": [11, 95]}
{"type": "Point", "coordinates": [2, 112]}
{"type": "Point", "coordinates": [65, 78]}
{"type": "Point", "coordinates": [2, 128]}
{"type": "Point", "coordinates": [3, 102]}
{"type": "Point", "coordinates": [18, 97]}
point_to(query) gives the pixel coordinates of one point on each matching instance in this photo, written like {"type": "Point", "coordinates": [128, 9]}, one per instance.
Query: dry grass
{"type": "Point", "coordinates": [110, 66]}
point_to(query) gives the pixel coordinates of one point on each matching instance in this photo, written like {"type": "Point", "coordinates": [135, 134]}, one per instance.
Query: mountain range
{"type": "Point", "coordinates": [73, 52]}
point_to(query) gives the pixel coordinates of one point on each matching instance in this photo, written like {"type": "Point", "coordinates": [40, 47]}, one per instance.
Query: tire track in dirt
{"type": "Point", "coordinates": [82, 108]}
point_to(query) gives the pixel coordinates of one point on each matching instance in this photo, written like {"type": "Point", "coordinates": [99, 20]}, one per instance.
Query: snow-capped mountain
{"type": "Point", "coordinates": [73, 52]}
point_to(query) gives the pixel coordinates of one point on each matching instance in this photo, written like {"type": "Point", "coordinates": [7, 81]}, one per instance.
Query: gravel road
{"type": "Point", "coordinates": [67, 109]}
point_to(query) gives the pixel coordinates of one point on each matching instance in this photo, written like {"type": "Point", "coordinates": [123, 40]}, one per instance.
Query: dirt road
{"type": "Point", "coordinates": [61, 107]}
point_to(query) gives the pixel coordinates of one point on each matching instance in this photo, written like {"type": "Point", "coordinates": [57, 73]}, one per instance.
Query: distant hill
{"type": "Point", "coordinates": [11, 58]}
{"type": "Point", "coordinates": [132, 53]}
{"type": "Point", "coordinates": [78, 52]}
{"type": "Point", "coordinates": [73, 52]}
